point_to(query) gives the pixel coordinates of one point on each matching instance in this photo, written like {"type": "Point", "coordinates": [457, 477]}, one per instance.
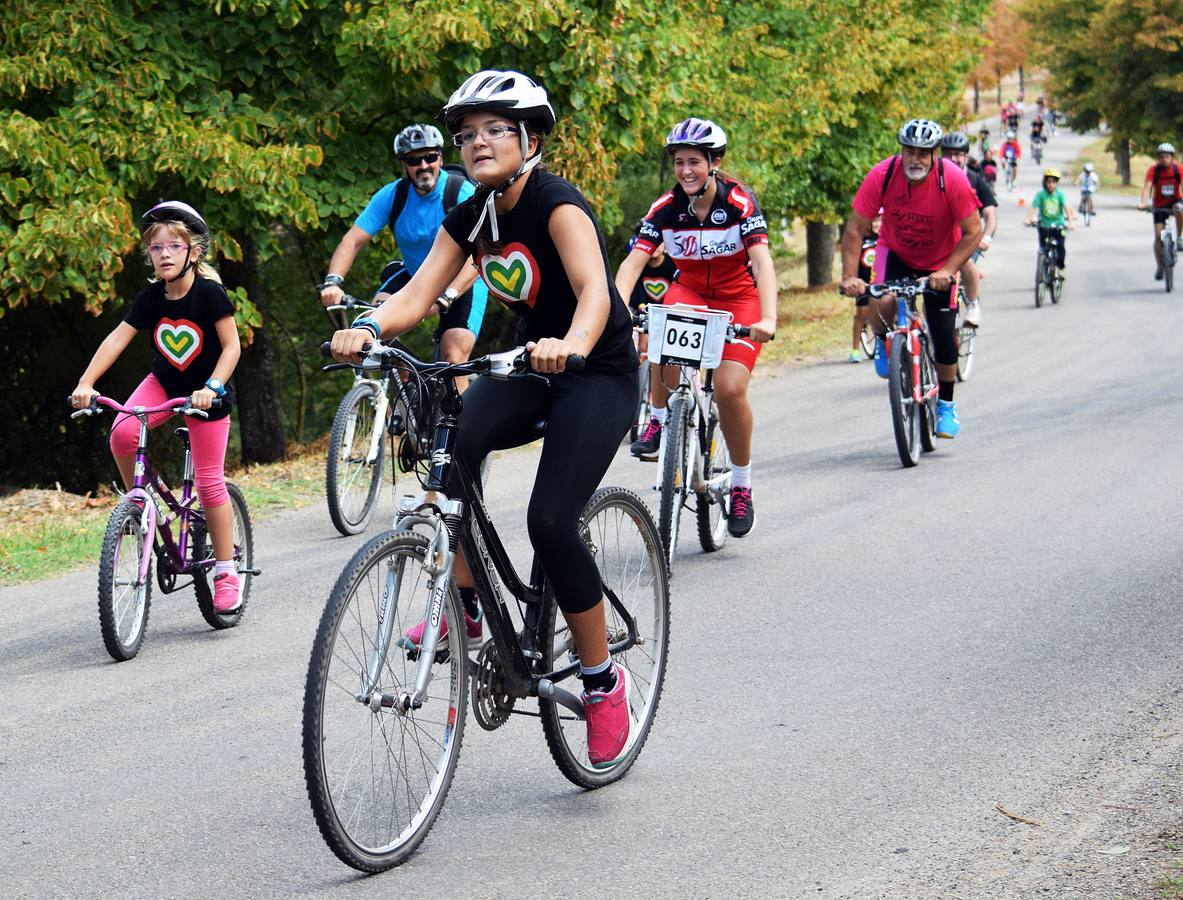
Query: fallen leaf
{"type": "Point", "coordinates": [1115, 851]}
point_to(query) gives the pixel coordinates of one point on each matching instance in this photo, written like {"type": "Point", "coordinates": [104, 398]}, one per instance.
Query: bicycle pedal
{"type": "Point", "coordinates": [254, 572]}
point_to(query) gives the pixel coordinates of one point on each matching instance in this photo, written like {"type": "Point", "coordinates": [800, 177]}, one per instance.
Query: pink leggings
{"type": "Point", "coordinates": [206, 437]}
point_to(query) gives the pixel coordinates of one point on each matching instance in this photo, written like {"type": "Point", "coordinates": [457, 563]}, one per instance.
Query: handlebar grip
{"type": "Point", "coordinates": [576, 362]}
{"type": "Point", "coordinates": [326, 349]}
{"type": "Point", "coordinates": [741, 331]}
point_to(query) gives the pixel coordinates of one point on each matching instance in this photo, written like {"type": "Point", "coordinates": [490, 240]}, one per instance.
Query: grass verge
{"type": "Point", "coordinates": [1097, 154]}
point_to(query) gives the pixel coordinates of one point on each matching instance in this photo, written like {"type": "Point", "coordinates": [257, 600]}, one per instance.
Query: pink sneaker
{"type": "Point", "coordinates": [609, 721]}
{"type": "Point", "coordinates": [413, 636]}
{"type": "Point", "coordinates": [227, 593]}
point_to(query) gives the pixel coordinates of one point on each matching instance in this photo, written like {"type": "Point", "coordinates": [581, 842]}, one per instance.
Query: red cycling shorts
{"type": "Point", "coordinates": [744, 309]}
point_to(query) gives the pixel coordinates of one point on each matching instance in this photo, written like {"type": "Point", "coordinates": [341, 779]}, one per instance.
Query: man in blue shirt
{"type": "Point", "coordinates": [413, 208]}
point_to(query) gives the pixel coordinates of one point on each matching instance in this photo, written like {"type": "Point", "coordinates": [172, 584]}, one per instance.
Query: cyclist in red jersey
{"type": "Point", "coordinates": [1164, 180]}
{"type": "Point", "coordinates": [712, 228]}
{"type": "Point", "coordinates": [930, 229]}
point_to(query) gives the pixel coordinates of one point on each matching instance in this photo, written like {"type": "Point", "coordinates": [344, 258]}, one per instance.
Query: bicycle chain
{"type": "Point", "coordinates": [491, 702]}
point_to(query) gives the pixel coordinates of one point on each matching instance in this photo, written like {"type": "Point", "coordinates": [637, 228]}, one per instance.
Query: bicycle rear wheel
{"type": "Point", "coordinates": [377, 777]}
{"type": "Point", "coordinates": [675, 450]}
{"type": "Point", "coordinates": [716, 463]}
{"type": "Point", "coordinates": [352, 479]}
{"type": "Point", "coordinates": [966, 336]}
{"type": "Point", "coordinates": [867, 341]}
{"type": "Point", "coordinates": [904, 418]}
{"type": "Point", "coordinates": [244, 562]}
{"type": "Point", "coordinates": [124, 599]}
{"type": "Point", "coordinates": [621, 535]}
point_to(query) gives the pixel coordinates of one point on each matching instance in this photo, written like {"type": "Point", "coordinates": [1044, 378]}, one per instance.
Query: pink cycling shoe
{"type": "Point", "coordinates": [227, 593]}
{"type": "Point", "coordinates": [413, 636]}
{"type": "Point", "coordinates": [609, 721]}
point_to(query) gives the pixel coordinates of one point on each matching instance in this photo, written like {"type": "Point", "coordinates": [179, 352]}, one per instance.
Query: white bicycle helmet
{"type": "Point", "coordinates": [1166, 148]}
{"type": "Point", "coordinates": [1089, 167]}
{"type": "Point", "coordinates": [516, 96]}
{"type": "Point", "coordinates": [702, 134]}
{"type": "Point", "coordinates": [417, 137]}
{"type": "Point", "coordinates": [1010, 135]}
{"type": "Point", "coordinates": [924, 134]}
{"type": "Point", "coordinates": [176, 211]}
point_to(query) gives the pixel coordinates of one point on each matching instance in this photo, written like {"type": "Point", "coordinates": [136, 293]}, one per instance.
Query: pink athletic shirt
{"type": "Point", "coordinates": [920, 222]}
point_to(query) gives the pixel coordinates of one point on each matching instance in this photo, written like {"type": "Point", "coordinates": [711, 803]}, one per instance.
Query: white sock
{"type": "Point", "coordinates": [223, 567]}
{"type": "Point", "coordinates": [658, 412]}
{"type": "Point", "coordinates": [741, 476]}
{"type": "Point", "coordinates": [595, 670]}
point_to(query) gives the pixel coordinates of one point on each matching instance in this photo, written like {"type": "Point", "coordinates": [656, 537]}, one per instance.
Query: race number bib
{"type": "Point", "coordinates": [1168, 190]}
{"type": "Point", "coordinates": [683, 340]}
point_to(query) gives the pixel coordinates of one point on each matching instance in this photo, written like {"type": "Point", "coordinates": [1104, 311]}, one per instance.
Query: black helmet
{"type": "Point", "coordinates": [955, 140]}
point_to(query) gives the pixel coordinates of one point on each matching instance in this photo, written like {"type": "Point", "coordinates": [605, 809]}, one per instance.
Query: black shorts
{"type": "Point", "coordinates": [395, 276]}
{"type": "Point", "coordinates": [1162, 213]}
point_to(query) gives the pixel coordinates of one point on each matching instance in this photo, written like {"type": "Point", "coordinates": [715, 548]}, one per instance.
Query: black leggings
{"type": "Point", "coordinates": [1056, 236]}
{"type": "Point", "coordinates": [940, 316]}
{"type": "Point", "coordinates": [587, 415]}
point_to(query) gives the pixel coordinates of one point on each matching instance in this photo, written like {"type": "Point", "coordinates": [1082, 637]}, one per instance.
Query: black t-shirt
{"type": "Point", "coordinates": [982, 188]}
{"type": "Point", "coordinates": [651, 287]}
{"type": "Point", "coordinates": [866, 258]}
{"type": "Point", "coordinates": [528, 276]}
{"type": "Point", "coordinates": [185, 345]}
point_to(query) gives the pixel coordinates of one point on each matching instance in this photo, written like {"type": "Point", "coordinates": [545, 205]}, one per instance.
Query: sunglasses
{"type": "Point", "coordinates": [427, 159]}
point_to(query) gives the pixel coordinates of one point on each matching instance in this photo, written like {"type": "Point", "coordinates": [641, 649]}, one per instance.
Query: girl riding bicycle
{"type": "Point", "coordinates": [536, 243]}
{"type": "Point", "coordinates": [713, 228]}
{"type": "Point", "coordinates": [194, 351]}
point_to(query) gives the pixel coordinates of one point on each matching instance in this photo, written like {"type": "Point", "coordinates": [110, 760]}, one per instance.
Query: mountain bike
{"type": "Point", "coordinates": [693, 456]}
{"type": "Point", "coordinates": [1086, 209]}
{"type": "Point", "coordinates": [383, 724]}
{"type": "Point", "coordinates": [912, 375]}
{"type": "Point", "coordinates": [967, 336]}
{"type": "Point", "coordinates": [138, 530]}
{"type": "Point", "coordinates": [644, 405]}
{"type": "Point", "coordinates": [1049, 278]}
{"type": "Point", "coordinates": [1169, 244]}
{"type": "Point", "coordinates": [1037, 150]}
{"type": "Point", "coordinates": [1009, 165]}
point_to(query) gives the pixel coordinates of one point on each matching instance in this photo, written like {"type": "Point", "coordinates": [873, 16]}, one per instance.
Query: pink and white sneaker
{"type": "Point", "coordinates": [227, 593]}
{"type": "Point", "coordinates": [609, 720]}
{"type": "Point", "coordinates": [413, 636]}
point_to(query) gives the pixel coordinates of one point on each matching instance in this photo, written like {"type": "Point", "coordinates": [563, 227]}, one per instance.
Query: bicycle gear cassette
{"type": "Point", "coordinates": [491, 702]}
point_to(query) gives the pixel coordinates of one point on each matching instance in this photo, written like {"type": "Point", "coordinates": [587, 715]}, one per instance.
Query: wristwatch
{"type": "Point", "coordinates": [333, 278]}
{"type": "Point", "coordinates": [216, 386]}
{"type": "Point", "coordinates": [450, 293]}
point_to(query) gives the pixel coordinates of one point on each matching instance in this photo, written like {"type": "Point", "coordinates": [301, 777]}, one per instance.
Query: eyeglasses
{"type": "Point", "coordinates": [174, 248]}
{"type": "Point", "coordinates": [427, 159]}
{"type": "Point", "coordinates": [489, 133]}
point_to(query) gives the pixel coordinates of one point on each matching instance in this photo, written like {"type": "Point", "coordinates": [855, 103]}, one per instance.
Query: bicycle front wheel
{"type": "Point", "coordinates": [352, 477]}
{"type": "Point", "coordinates": [927, 413]}
{"type": "Point", "coordinates": [1168, 266]}
{"type": "Point", "coordinates": [377, 775]}
{"type": "Point", "coordinates": [716, 466]}
{"type": "Point", "coordinates": [675, 450]}
{"type": "Point", "coordinates": [904, 419]}
{"type": "Point", "coordinates": [966, 336]}
{"type": "Point", "coordinates": [1040, 281]}
{"type": "Point", "coordinates": [620, 533]}
{"type": "Point", "coordinates": [125, 599]}
{"type": "Point", "coordinates": [244, 562]}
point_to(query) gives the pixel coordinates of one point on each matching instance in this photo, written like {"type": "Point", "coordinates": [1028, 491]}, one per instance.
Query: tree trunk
{"type": "Point", "coordinates": [998, 80]}
{"type": "Point", "coordinates": [1123, 161]}
{"type": "Point", "coordinates": [1021, 88]}
{"type": "Point", "coordinates": [821, 240]}
{"type": "Point", "coordinates": [977, 95]}
{"type": "Point", "coordinates": [259, 421]}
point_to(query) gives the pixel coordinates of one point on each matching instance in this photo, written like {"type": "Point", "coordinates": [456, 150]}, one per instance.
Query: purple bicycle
{"type": "Point", "coordinates": [140, 529]}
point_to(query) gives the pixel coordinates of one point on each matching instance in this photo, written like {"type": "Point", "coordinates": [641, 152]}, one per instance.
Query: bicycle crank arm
{"type": "Point", "coordinates": [548, 690]}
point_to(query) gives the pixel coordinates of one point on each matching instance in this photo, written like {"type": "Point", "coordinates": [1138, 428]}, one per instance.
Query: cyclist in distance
{"type": "Point", "coordinates": [1164, 185]}
{"type": "Point", "coordinates": [1050, 211]}
{"type": "Point", "coordinates": [195, 348]}
{"type": "Point", "coordinates": [930, 228]}
{"type": "Point", "coordinates": [955, 148]}
{"type": "Point", "coordinates": [989, 169]}
{"type": "Point", "coordinates": [1011, 152]}
{"type": "Point", "coordinates": [983, 142]}
{"type": "Point", "coordinates": [1014, 115]}
{"type": "Point", "coordinates": [1036, 131]}
{"type": "Point", "coordinates": [1089, 183]}
{"type": "Point", "coordinates": [659, 273]}
{"type": "Point", "coordinates": [538, 247]}
{"type": "Point", "coordinates": [713, 228]}
{"type": "Point", "coordinates": [413, 208]}
{"type": "Point", "coordinates": [866, 265]}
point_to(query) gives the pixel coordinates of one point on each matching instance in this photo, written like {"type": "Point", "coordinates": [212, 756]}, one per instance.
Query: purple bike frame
{"type": "Point", "coordinates": [145, 476]}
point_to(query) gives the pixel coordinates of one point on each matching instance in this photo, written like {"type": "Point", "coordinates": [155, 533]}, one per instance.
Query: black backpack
{"type": "Point", "coordinates": [456, 176]}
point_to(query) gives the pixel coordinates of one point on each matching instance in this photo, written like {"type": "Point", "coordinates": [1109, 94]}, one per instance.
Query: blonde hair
{"type": "Point", "coordinates": [202, 268]}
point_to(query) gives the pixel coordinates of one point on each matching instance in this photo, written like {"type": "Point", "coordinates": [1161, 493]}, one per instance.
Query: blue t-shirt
{"type": "Point", "coordinates": [417, 224]}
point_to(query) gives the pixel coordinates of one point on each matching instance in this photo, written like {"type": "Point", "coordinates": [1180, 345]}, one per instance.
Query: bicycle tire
{"type": "Point", "coordinates": [903, 410]}
{"type": "Point", "coordinates": [716, 460]}
{"type": "Point", "coordinates": [644, 407]}
{"type": "Point", "coordinates": [437, 727]}
{"type": "Point", "coordinates": [867, 341]}
{"type": "Point", "coordinates": [672, 495]}
{"type": "Point", "coordinates": [1040, 281]}
{"type": "Point", "coordinates": [244, 559]}
{"type": "Point", "coordinates": [1057, 286]}
{"type": "Point", "coordinates": [966, 337]}
{"type": "Point", "coordinates": [928, 409]}
{"type": "Point", "coordinates": [620, 531]}
{"type": "Point", "coordinates": [123, 614]}
{"type": "Point", "coordinates": [346, 467]}
{"type": "Point", "coordinates": [1168, 268]}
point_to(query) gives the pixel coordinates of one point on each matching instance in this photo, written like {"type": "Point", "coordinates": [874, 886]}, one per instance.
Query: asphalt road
{"type": "Point", "coordinates": [851, 689]}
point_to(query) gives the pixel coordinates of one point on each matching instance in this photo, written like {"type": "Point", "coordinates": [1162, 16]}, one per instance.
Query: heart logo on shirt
{"type": "Point", "coordinates": [513, 275]}
{"type": "Point", "coordinates": [179, 341]}
{"type": "Point", "coordinates": [655, 287]}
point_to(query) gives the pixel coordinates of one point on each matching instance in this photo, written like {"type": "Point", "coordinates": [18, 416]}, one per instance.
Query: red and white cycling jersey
{"type": "Point", "coordinates": [711, 255]}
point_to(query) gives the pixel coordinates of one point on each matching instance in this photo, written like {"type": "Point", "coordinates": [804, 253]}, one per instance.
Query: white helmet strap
{"type": "Point", "coordinates": [489, 211]}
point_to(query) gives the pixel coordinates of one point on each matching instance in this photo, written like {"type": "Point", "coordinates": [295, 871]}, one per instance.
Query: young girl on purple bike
{"type": "Point", "coordinates": [194, 351]}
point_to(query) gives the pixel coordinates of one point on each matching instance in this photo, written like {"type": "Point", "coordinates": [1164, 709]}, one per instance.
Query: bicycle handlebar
{"type": "Point", "coordinates": [380, 356]}
{"type": "Point", "coordinates": [183, 405]}
{"type": "Point", "coordinates": [734, 332]}
{"type": "Point", "coordinates": [350, 303]}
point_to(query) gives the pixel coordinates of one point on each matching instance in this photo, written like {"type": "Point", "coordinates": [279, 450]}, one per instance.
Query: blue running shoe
{"type": "Point", "coordinates": [880, 357]}
{"type": "Point", "coordinates": [947, 422]}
